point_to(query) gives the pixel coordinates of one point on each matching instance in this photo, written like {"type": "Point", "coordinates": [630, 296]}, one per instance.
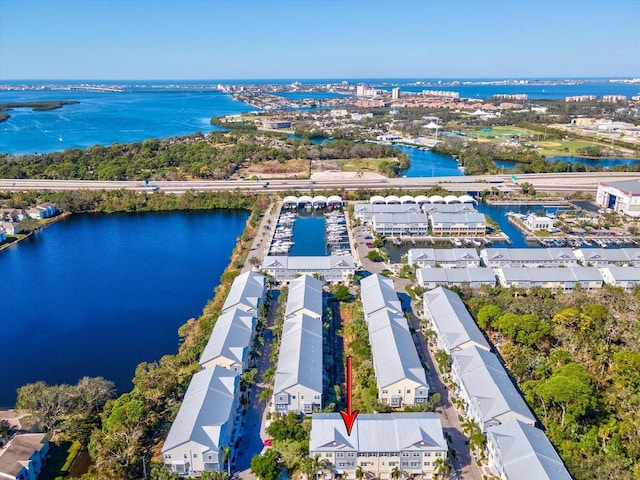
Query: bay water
{"type": "Point", "coordinates": [96, 294]}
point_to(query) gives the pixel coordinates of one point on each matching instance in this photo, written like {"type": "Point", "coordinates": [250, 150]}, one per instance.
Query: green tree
{"type": "Point", "coordinates": [265, 466]}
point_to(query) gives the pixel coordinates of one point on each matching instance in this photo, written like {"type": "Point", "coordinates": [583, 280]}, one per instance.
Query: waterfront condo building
{"type": "Point", "coordinates": [331, 268]}
{"type": "Point", "coordinates": [299, 372]}
{"type": "Point", "coordinates": [489, 396]}
{"type": "Point", "coordinates": [455, 328]}
{"type": "Point", "coordinates": [519, 451]}
{"type": "Point", "coordinates": [528, 257]}
{"type": "Point", "coordinates": [230, 341]}
{"type": "Point", "coordinates": [247, 293]}
{"type": "Point", "coordinates": [554, 278]}
{"type": "Point", "coordinates": [476, 277]}
{"type": "Point", "coordinates": [206, 423]}
{"type": "Point", "coordinates": [379, 444]}
{"type": "Point", "coordinates": [400, 376]}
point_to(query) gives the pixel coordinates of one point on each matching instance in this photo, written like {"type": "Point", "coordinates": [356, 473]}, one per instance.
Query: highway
{"type": "Point", "coordinates": [543, 182]}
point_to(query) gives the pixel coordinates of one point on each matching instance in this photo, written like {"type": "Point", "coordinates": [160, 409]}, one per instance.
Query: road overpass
{"type": "Point", "coordinates": [543, 182]}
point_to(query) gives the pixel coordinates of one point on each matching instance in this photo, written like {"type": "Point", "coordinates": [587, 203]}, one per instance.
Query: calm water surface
{"type": "Point", "coordinates": [98, 294]}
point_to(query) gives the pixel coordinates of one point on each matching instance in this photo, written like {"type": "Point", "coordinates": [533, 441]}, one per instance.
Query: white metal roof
{"type": "Point", "coordinates": [300, 357]}
{"type": "Point", "coordinates": [392, 199]}
{"type": "Point", "coordinates": [458, 275]}
{"type": "Point", "coordinates": [488, 385]}
{"type": "Point", "coordinates": [305, 293]}
{"type": "Point", "coordinates": [380, 432]}
{"type": "Point", "coordinates": [551, 274]}
{"type": "Point", "coordinates": [394, 354]}
{"type": "Point", "coordinates": [334, 199]}
{"type": "Point", "coordinates": [206, 408]}
{"type": "Point", "coordinates": [528, 254]}
{"type": "Point", "coordinates": [376, 199]}
{"type": "Point", "coordinates": [451, 199]}
{"type": "Point", "coordinates": [525, 452]}
{"type": "Point", "coordinates": [407, 199]}
{"type": "Point", "coordinates": [246, 292]}
{"type": "Point", "coordinates": [230, 336]}
{"type": "Point", "coordinates": [377, 292]}
{"type": "Point", "coordinates": [452, 320]}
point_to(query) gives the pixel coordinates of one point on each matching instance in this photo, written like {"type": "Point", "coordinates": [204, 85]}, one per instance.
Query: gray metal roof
{"type": "Point", "coordinates": [448, 207]}
{"type": "Point", "coordinates": [205, 410]}
{"type": "Point", "coordinates": [488, 384]}
{"type": "Point", "coordinates": [458, 275]}
{"type": "Point", "coordinates": [551, 274]}
{"type": "Point", "coordinates": [447, 255]}
{"type": "Point", "coordinates": [624, 274]}
{"type": "Point", "coordinates": [300, 358]}
{"type": "Point", "coordinates": [309, 263]}
{"type": "Point", "coordinates": [380, 432]}
{"type": "Point", "coordinates": [305, 293]}
{"type": "Point", "coordinates": [455, 218]}
{"type": "Point", "coordinates": [394, 354]}
{"type": "Point", "coordinates": [528, 254]}
{"type": "Point", "coordinates": [378, 208]}
{"type": "Point", "coordinates": [613, 255]}
{"type": "Point", "coordinates": [230, 336]}
{"type": "Point", "coordinates": [453, 322]}
{"type": "Point", "coordinates": [377, 292]}
{"type": "Point", "coordinates": [401, 218]}
{"type": "Point", "coordinates": [525, 452]}
{"type": "Point", "coordinates": [246, 292]}
{"type": "Point", "coordinates": [628, 186]}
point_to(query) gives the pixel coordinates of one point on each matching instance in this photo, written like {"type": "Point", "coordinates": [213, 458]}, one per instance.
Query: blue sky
{"type": "Point", "coordinates": [233, 39]}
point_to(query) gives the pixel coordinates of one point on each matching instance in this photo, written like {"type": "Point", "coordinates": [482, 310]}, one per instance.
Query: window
{"type": "Point", "coordinates": [210, 457]}
{"type": "Point", "coordinates": [416, 454]}
{"type": "Point", "coordinates": [438, 454]}
{"type": "Point", "coordinates": [185, 455]}
{"type": "Point", "coordinates": [195, 455]}
{"type": "Point", "coordinates": [385, 391]}
{"type": "Point", "coordinates": [351, 454]}
{"type": "Point", "coordinates": [329, 455]}
{"type": "Point", "coordinates": [426, 464]}
{"type": "Point", "coordinates": [405, 454]}
{"type": "Point", "coordinates": [317, 397]}
{"type": "Point", "coordinates": [408, 391]}
{"type": "Point", "coordinates": [167, 455]}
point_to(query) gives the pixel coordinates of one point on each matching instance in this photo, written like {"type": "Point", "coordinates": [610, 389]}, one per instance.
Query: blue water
{"type": "Point", "coordinates": [163, 109]}
{"type": "Point", "coordinates": [314, 95]}
{"type": "Point", "coordinates": [102, 118]}
{"type": "Point", "coordinates": [425, 163]}
{"type": "Point", "coordinates": [498, 214]}
{"type": "Point", "coordinates": [308, 235]}
{"type": "Point", "coordinates": [98, 294]}
{"type": "Point", "coordinates": [534, 92]}
{"type": "Point", "coordinates": [592, 162]}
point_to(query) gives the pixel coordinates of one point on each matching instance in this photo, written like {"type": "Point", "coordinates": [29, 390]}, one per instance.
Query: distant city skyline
{"type": "Point", "coordinates": [278, 39]}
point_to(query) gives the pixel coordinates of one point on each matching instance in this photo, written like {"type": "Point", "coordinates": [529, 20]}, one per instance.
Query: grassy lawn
{"type": "Point", "coordinates": [500, 133]}
{"type": "Point", "coordinates": [61, 455]}
{"type": "Point", "coordinates": [362, 164]}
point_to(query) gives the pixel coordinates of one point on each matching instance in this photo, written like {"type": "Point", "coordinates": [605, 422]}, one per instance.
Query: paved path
{"type": "Point", "coordinates": [264, 234]}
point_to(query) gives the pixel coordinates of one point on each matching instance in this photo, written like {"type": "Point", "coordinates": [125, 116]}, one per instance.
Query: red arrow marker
{"type": "Point", "coordinates": [349, 416]}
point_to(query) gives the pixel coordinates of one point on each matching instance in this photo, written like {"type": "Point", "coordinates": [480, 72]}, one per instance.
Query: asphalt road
{"type": "Point", "coordinates": [546, 182]}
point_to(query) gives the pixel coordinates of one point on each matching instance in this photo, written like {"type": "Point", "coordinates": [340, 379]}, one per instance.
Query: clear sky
{"type": "Point", "coordinates": [298, 39]}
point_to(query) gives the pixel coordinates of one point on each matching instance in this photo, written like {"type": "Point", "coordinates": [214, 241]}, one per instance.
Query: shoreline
{"type": "Point", "coordinates": [51, 221]}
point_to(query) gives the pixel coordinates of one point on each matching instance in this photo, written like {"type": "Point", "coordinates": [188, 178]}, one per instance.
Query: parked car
{"type": "Point", "coordinates": [369, 244]}
{"type": "Point", "coordinates": [268, 442]}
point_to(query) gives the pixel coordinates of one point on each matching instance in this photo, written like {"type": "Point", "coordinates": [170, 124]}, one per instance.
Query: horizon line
{"type": "Point", "coordinates": [498, 78]}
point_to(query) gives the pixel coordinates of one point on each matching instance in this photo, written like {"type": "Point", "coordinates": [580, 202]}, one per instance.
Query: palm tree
{"type": "Point", "coordinates": [396, 472]}
{"type": "Point", "coordinates": [226, 457]}
{"type": "Point", "coordinates": [469, 426]}
{"type": "Point", "coordinates": [477, 441]}
{"type": "Point", "coordinates": [441, 467]}
{"type": "Point", "coordinates": [359, 472]}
